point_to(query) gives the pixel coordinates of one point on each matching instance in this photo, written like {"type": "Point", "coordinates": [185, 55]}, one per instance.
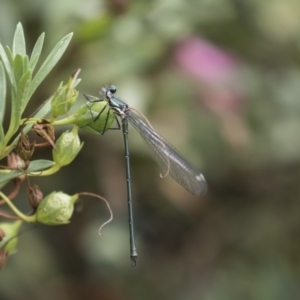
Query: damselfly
{"type": "Point", "coordinates": [167, 157]}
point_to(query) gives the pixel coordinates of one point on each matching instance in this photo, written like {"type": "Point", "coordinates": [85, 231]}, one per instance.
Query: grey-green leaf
{"type": "Point", "coordinates": [25, 63]}
{"type": "Point", "coordinates": [23, 87]}
{"type": "Point", "coordinates": [50, 62]}
{"type": "Point", "coordinates": [18, 68]}
{"type": "Point", "coordinates": [2, 93]}
{"type": "Point", "coordinates": [9, 55]}
{"type": "Point", "coordinates": [42, 111]}
{"type": "Point", "coordinates": [18, 102]}
{"type": "Point", "coordinates": [36, 52]}
{"type": "Point", "coordinates": [1, 138]}
{"type": "Point", "coordinates": [6, 64]}
{"type": "Point", "coordinates": [35, 166]}
{"type": "Point", "coordinates": [19, 46]}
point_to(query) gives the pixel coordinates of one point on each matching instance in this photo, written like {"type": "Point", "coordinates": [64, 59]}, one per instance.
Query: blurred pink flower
{"type": "Point", "coordinates": [215, 70]}
{"type": "Point", "coordinates": [203, 60]}
{"type": "Point", "coordinates": [219, 85]}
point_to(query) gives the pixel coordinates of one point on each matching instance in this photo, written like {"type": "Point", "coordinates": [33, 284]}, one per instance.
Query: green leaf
{"type": "Point", "coordinates": [25, 63]}
{"type": "Point", "coordinates": [42, 111]}
{"type": "Point", "coordinates": [33, 62]}
{"type": "Point", "coordinates": [10, 55]}
{"type": "Point", "coordinates": [18, 105]}
{"type": "Point", "coordinates": [36, 52]}
{"type": "Point", "coordinates": [19, 46]}
{"type": "Point", "coordinates": [2, 103]}
{"type": "Point", "coordinates": [7, 65]}
{"type": "Point", "coordinates": [1, 138]}
{"type": "Point", "coordinates": [18, 68]}
{"type": "Point", "coordinates": [2, 94]}
{"type": "Point", "coordinates": [50, 62]}
{"type": "Point", "coordinates": [35, 166]}
{"type": "Point", "coordinates": [23, 86]}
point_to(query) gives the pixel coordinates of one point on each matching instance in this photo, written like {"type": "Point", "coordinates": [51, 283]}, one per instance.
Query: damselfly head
{"type": "Point", "coordinates": [109, 90]}
{"type": "Point", "coordinates": [112, 89]}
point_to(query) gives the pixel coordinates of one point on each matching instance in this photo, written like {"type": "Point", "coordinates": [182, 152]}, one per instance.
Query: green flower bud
{"type": "Point", "coordinates": [67, 147]}
{"type": "Point", "coordinates": [64, 97]}
{"type": "Point", "coordinates": [56, 209]}
{"type": "Point", "coordinates": [89, 119]}
{"type": "Point", "coordinates": [86, 117]}
{"type": "Point", "coordinates": [10, 240]}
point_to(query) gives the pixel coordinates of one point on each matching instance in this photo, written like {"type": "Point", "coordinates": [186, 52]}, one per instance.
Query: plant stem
{"type": "Point", "coordinates": [25, 218]}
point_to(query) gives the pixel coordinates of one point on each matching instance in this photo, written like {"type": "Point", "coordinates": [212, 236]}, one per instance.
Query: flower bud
{"type": "Point", "coordinates": [93, 118]}
{"type": "Point", "coordinates": [99, 117]}
{"type": "Point", "coordinates": [56, 209]}
{"type": "Point", "coordinates": [67, 147]}
{"type": "Point", "coordinates": [10, 240]}
{"type": "Point", "coordinates": [64, 97]}
{"type": "Point", "coordinates": [45, 130]}
{"type": "Point", "coordinates": [35, 196]}
{"type": "Point", "coordinates": [25, 149]}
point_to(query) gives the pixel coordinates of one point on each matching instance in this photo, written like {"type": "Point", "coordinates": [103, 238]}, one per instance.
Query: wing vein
{"type": "Point", "coordinates": [168, 158]}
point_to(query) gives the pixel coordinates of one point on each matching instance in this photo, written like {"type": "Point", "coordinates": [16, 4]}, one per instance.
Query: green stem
{"type": "Point", "coordinates": [55, 168]}
{"type": "Point", "coordinates": [65, 121]}
{"type": "Point", "coordinates": [25, 218]}
{"type": "Point", "coordinates": [29, 121]}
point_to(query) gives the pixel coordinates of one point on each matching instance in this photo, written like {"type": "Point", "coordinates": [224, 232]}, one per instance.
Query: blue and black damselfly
{"type": "Point", "coordinates": [167, 157]}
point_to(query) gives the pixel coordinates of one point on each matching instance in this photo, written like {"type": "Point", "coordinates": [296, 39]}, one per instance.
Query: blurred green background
{"type": "Point", "coordinates": [220, 79]}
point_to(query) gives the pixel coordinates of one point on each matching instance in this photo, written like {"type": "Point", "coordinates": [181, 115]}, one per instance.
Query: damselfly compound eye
{"type": "Point", "coordinates": [112, 89]}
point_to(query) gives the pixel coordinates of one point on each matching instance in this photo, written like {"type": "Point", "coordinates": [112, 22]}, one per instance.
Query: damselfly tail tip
{"type": "Point", "coordinates": [134, 261]}
{"type": "Point", "coordinates": [200, 177]}
{"type": "Point", "coordinates": [202, 185]}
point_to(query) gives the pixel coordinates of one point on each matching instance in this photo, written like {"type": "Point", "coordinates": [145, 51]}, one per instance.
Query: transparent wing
{"type": "Point", "coordinates": [168, 158]}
